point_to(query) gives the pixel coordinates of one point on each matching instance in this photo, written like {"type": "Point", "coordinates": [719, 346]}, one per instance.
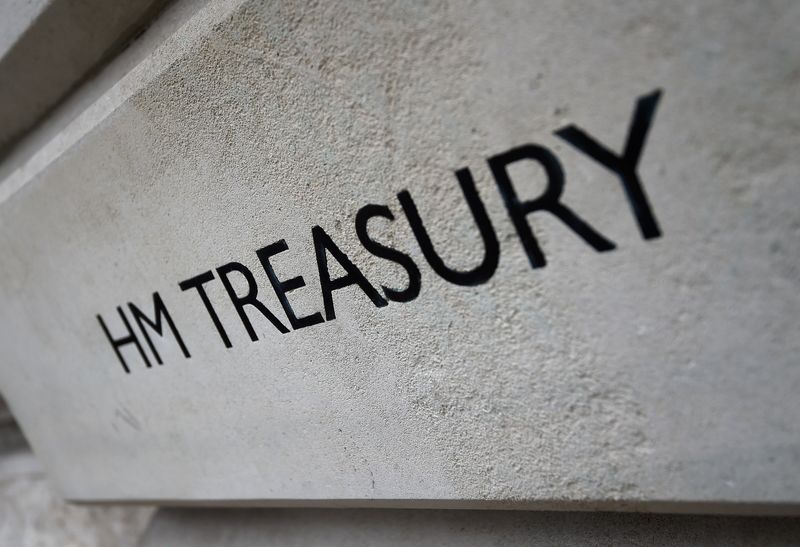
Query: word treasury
{"type": "Point", "coordinates": [623, 165]}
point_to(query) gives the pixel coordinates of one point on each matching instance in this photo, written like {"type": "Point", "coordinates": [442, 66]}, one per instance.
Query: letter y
{"type": "Point", "coordinates": [624, 166]}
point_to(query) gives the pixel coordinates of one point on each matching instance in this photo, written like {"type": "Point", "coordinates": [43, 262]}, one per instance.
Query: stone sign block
{"type": "Point", "coordinates": [496, 254]}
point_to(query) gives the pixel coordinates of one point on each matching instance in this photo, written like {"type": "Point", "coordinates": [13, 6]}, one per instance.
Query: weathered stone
{"type": "Point", "coordinates": [662, 371]}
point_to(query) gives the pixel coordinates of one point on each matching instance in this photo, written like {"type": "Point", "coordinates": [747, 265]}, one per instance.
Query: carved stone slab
{"type": "Point", "coordinates": [518, 254]}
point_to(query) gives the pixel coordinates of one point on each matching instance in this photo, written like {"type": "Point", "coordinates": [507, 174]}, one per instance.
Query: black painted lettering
{"type": "Point", "coordinates": [323, 245]}
{"type": "Point", "coordinates": [625, 166]}
{"type": "Point", "coordinates": [197, 282]}
{"type": "Point", "coordinates": [283, 287]}
{"type": "Point", "coordinates": [160, 312]}
{"type": "Point", "coordinates": [548, 201]}
{"type": "Point", "coordinates": [117, 343]}
{"type": "Point", "coordinates": [382, 251]}
{"type": "Point", "coordinates": [249, 299]}
{"type": "Point", "coordinates": [481, 273]}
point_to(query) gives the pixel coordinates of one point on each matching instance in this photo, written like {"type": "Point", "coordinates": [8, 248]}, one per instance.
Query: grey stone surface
{"type": "Point", "coordinates": [16, 16]}
{"type": "Point", "coordinates": [48, 47]}
{"type": "Point", "coordinates": [330, 528]}
{"type": "Point", "coordinates": [32, 514]}
{"type": "Point", "coordinates": [663, 372]}
{"type": "Point", "coordinates": [96, 86]}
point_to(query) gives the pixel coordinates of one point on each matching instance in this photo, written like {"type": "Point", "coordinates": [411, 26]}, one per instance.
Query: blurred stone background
{"type": "Point", "coordinates": [32, 513]}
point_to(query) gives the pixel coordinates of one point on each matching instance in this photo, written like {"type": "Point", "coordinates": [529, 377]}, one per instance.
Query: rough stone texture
{"type": "Point", "coordinates": [32, 514]}
{"type": "Point", "coordinates": [663, 372]}
{"type": "Point", "coordinates": [331, 528]}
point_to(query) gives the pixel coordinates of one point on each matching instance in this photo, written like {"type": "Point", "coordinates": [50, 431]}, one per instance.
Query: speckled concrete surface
{"type": "Point", "coordinates": [665, 370]}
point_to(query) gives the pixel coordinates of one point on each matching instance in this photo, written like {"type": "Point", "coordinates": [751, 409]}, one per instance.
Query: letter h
{"type": "Point", "coordinates": [119, 342]}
